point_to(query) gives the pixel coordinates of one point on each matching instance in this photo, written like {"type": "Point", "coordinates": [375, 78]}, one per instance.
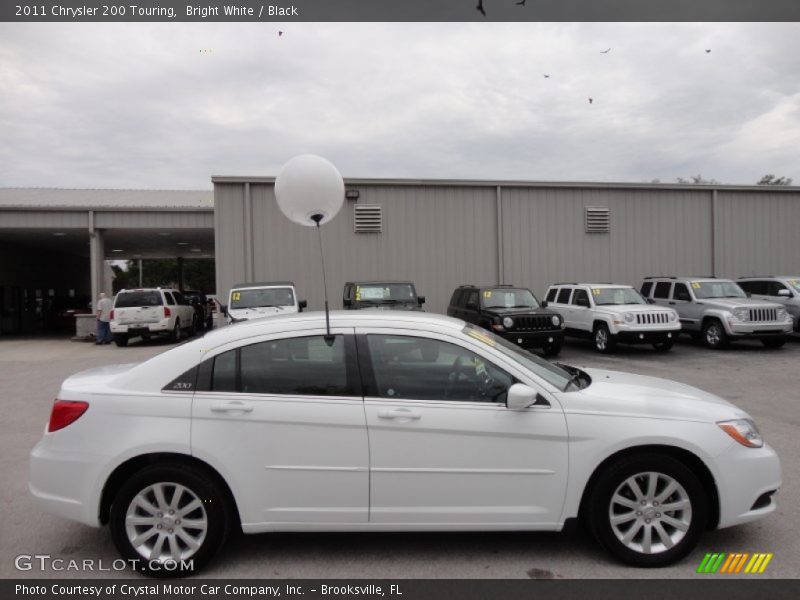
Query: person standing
{"type": "Point", "coordinates": [103, 313]}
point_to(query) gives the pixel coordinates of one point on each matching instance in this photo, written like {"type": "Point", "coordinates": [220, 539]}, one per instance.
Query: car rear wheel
{"type": "Point", "coordinates": [170, 519]}
{"type": "Point", "coordinates": [603, 342]}
{"type": "Point", "coordinates": [121, 340]}
{"type": "Point", "coordinates": [193, 327]}
{"type": "Point", "coordinates": [176, 331]}
{"type": "Point", "coordinates": [714, 335]}
{"type": "Point", "coordinates": [774, 342]}
{"type": "Point", "coordinates": [648, 510]}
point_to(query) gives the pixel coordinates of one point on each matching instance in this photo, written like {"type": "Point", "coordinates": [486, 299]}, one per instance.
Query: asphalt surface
{"type": "Point", "coordinates": [763, 382]}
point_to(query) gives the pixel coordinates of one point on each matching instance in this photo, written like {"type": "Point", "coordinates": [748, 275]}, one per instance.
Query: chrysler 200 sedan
{"type": "Point", "coordinates": [394, 422]}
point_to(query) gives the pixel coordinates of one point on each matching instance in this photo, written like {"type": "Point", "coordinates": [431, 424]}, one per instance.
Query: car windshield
{"type": "Point", "coordinates": [143, 298]}
{"type": "Point", "coordinates": [717, 289]}
{"type": "Point", "coordinates": [505, 298]}
{"type": "Point", "coordinates": [616, 296]}
{"type": "Point", "coordinates": [386, 292]}
{"type": "Point", "coordinates": [795, 283]}
{"type": "Point", "coordinates": [262, 297]}
{"type": "Point", "coordinates": [551, 373]}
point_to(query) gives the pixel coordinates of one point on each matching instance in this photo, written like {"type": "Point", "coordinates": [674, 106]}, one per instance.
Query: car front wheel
{"type": "Point", "coordinates": [169, 520]}
{"type": "Point", "coordinates": [648, 510]}
{"type": "Point", "coordinates": [603, 341]}
{"type": "Point", "coordinates": [552, 349]}
{"type": "Point", "coordinates": [714, 335]}
{"type": "Point", "coordinates": [776, 342]}
{"type": "Point", "coordinates": [121, 340]}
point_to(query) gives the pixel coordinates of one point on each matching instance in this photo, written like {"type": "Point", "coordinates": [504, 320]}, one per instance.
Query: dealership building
{"type": "Point", "coordinates": [55, 243]}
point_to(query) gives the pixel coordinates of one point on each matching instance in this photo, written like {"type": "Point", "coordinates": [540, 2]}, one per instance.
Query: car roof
{"type": "Point", "coordinates": [768, 277]}
{"type": "Point", "coordinates": [381, 282]}
{"type": "Point", "coordinates": [244, 286]}
{"type": "Point", "coordinates": [595, 285]}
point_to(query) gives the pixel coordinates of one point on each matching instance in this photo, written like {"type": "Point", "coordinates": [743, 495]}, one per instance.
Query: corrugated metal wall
{"type": "Point", "coordinates": [443, 235]}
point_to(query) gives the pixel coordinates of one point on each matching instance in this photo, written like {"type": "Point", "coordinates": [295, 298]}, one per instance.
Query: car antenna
{"type": "Point", "coordinates": [329, 339]}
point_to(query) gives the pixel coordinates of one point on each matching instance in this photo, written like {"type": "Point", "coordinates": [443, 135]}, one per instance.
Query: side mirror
{"type": "Point", "coordinates": [544, 303]}
{"type": "Point", "coordinates": [301, 305]}
{"type": "Point", "coordinates": [347, 302]}
{"type": "Point", "coordinates": [785, 293]}
{"type": "Point", "coordinates": [421, 300]}
{"type": "Point", "coordinates": [520, 396]}
{"type": "Point", "coordinates": [583, 302]}
{"type": "Point", "coordinates": [650, 301]}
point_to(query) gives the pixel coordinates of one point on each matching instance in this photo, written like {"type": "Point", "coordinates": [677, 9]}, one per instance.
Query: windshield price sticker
{"type": "Point", "coordinates": [595, 291]}
{"type": "Point", "coordinates": [695, 285]}
{"type": "Point", "coordinates": [236, 296]}
{"type": "Point", "coordinates": [487, 294]}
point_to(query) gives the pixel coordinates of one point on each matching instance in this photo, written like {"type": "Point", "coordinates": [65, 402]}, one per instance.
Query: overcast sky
{"type": "Point", "coordinates": [169, 105]}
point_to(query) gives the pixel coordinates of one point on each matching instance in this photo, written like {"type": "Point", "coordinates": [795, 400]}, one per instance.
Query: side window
{"type": "Point", "coordinates": [551, 295]}
{"type": "Point", "coordinates": [580, 298]}
{"type": "Point", "coordinates": [563, 295]}
{"type": "Point", "coordinates": [413, 368]}
{"type": "Point", "coordinates": [455, 298]}
{"type": "Point", "coordinates": [646, 287]}
{"type": "Point", "coordinates": [662, 289]}
{"type": "Point", "coordinates": [170, 299]}
{"type": "Point", "coordinates": [180, 298]}
{"type": "Point", "coordinates": [752, 287]}
{"type": "Point", "coordinates": [773, 287]}
{"type": "Point", "coordinates": [305, 366]}
{"type": "Point", "coordinates": [472, 299]}
{"type": "Point", "coordinates": [681, 292]}
{"type": "Point", "coordinates": [223, 377]}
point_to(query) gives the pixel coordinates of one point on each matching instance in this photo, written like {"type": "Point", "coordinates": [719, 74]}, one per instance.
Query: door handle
{"type": "Point", "coordinates": [231, 407]}
{"type": "Point", "coordinates": [399, 413]}
{"type": "Point", "coordinates": [673, 304]}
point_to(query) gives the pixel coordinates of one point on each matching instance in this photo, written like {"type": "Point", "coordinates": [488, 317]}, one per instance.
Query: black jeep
{"type": "Point", "coordinates": [511, 312]}
{"type": "Point", "coordinates": [398, 295]}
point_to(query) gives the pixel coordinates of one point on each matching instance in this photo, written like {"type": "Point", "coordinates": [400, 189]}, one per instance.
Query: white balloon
{"type": "Point", "coordinates": [308, 185]}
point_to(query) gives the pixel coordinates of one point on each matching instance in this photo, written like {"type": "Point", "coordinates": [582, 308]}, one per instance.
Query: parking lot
{"type": "Point", "coordinates": [761, 381]}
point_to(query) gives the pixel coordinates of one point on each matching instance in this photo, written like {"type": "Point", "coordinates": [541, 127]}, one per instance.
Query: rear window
{"type": "Point", "coordinates": [563, 295]}
{"type": "Point", "coordinates": [128, 299]}
{"type": "Point", "coordinates": [662, 289]}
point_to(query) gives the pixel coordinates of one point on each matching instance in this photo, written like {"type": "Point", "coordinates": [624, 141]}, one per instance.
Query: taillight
{"type": "Point", "coordinates": [65, 412]}
{"type": "Point", "coordinates": [111, 316]}
{"type": "Point", "coordinates": [167, 312]}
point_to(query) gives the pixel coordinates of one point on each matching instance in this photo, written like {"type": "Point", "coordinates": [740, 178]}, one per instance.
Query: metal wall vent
{"type": "Point", "coordinates": [367, 218]}
{"type": "Point", "coordinates": [598, 219]}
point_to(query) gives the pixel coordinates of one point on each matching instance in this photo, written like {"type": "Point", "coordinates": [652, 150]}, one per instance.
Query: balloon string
{"type": "Point", "coordinates": [328, 337]}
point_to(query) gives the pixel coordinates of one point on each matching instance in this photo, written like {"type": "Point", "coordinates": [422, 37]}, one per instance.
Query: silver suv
{"type": "Point", "coordinates": [719, 311]}
{"type": "Point", "coordinates": [784, 289]}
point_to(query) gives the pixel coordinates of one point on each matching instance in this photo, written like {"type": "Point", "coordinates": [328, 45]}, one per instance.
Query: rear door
{"type": "Point", "coordinates": [285, 415]}
{"type": "Point", "coordinates": [138, 307]}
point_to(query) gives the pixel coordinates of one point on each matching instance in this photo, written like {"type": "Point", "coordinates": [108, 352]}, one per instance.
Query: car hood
{"type": "Point", "coordinates": [731, 303]}
{"type": "Point", "coordinates": [506, 312]}
{"type": "Point", "coordinates": [633, 308]}
{"type": "Point", "coordinates": [257, 312]}
{"type": "Point", "coordinates": [402, 306]}
{"type": "Point", "coordinates": [614, 392]}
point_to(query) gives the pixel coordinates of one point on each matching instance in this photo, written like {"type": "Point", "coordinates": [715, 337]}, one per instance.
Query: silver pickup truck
{"type": "Point", "coordinates": [719, 311]}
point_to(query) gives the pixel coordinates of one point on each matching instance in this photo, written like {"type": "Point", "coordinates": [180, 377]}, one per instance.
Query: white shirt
{"type": "Point", "coordinates": [104, 308]}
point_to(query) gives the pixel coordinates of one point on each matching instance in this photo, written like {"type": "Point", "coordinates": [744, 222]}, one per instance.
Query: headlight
{"type": "Point", "coordinates": [630, 317]}
{"type": "Point", "coordinates": [741, 314]}
{"type": "Point", "coordinates": [556, 320]}
{"type": "Point", "coordinates": [743, 431]}
{"type": "Point", "coordinates": [673, 316]}
{"type": "Point", "coordinates": [782, 314]}
{"type": "Point", "coordinates": [508, 322]}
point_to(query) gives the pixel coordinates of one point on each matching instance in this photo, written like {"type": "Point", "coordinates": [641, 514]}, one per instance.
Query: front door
{"type": "Point", "coordinates": [443, 446]}
{"type": "Point", "coordinates": [285, 416]}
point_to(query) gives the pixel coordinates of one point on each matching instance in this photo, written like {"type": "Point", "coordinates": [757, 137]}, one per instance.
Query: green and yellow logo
{"type": "Point", "coordinates": [735, 562]}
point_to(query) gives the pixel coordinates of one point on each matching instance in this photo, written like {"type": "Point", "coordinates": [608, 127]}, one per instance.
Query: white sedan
{"type": "Point", "coordinates": [397, 422]}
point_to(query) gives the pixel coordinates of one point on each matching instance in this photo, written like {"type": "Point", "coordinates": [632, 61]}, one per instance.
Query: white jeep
{"type": "Point", "coordinates": [257, 300]}
{"type": "Point", "coordinates": [609, 313]}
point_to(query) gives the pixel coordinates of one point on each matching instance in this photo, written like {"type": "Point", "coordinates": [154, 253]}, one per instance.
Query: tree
{"type": "Point", "coordinates": [770, 179]}
{"type": "Point", "coordinates": [198, 274]}
{"type": "Point", "coordinates": [697, 180]}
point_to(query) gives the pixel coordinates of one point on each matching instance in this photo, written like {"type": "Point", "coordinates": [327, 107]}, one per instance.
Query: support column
{"type": "Point", "coordinates": [97, 258]}
{"type": "Point", "coordinates": [499, 236]}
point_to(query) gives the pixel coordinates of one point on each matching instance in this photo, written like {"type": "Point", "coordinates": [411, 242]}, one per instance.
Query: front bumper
{"type": "Point", "coordinates": [744, 476]}
{"type": "Point", "coordinates": [646, 337]}
{"type": "Point", "coordinates": [758, 330]}
{"type": "Point", "coordinates": [533, 339]}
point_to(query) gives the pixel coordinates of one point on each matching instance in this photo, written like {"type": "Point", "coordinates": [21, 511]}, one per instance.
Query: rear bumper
{"type": "Point", "coordinates": [133, 329]}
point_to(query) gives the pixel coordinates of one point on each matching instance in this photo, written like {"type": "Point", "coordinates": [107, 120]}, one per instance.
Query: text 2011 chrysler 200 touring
{"type": "Point", "coordinates": [398, 422]}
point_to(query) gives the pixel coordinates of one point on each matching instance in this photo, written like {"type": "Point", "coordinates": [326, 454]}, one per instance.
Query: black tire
{"type": "Point", "coordinates": [714, 335]}
{"type": "Point", "coordinates": [193, 327]}
{"type": "Point", "coordinates": [215, 509]}
{"type": "Point", "coordinates": [602, 339]}
{"type": "Point", "coordinates": [552, 349]}
{"type": "Point", "coordinates": [613, 478]}
{"type": "Point", "coordinates": [175, 336]}
{"type": "Point", "coordinates": [775, 342]}
{"type": "Point", "coordinates": [209, 323]}
{"type": "Point", "coordinates": [121, 340]}
{"type": "Point", "coordinates": [664, 346]}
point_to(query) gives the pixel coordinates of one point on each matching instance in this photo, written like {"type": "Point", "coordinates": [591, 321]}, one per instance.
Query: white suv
{"type": "Point", "coordinates": [256, 300]}
{"type": "Point", "coordinates": [151, 311]}
{"type": "Point", "coordinates": [610, 313]}
{"type": "Point", "coordinates": [783, 289]}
